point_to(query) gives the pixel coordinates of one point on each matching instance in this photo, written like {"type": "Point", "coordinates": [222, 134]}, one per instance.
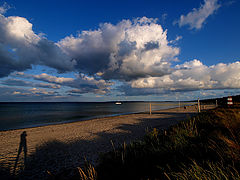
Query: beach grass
{"type": "Point", "coordinates": [203, 147]}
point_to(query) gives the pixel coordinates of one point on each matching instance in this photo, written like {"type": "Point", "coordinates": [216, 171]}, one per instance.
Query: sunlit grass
{"type": "Point", "coordinates": [89, 173]}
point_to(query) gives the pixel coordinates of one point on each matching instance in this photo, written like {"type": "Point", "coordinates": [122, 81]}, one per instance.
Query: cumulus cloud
{"type": "Point", "coordinates": [125, 51]}
{"type": "Point", "coordinates": [193, 75]}
{"type": "Point", "coordinates": [20, 48]}
{"type": "Point", "coordinates": [197, 17]}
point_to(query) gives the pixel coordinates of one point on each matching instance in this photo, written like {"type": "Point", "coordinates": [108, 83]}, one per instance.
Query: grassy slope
{"type": "Point", "coordinates": [204, 147]}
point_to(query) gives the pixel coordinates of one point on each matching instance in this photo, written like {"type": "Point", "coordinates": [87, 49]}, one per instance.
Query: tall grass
{"type": "Point", "coordinates": [209, 171]}
{"type": "Point", "coordinates": [89, 173]}
{"type": "Point", "coordinates": [204, 147]}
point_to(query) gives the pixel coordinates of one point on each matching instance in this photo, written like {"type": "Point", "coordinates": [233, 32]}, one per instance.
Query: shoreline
{"type": "Point", "coordinates": [85, 119]}
{"type": "Point", "coordinates": [72, 120]}
{"type": "Point", "coordinates": [70, 143]}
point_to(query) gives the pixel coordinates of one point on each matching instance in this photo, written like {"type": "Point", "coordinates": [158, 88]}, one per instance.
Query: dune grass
{"type": "Point", "coordinates": [204, 147]}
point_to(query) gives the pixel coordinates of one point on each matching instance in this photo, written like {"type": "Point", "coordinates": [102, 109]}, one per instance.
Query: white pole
{"type": "Point", "coordinates": [199, 108]}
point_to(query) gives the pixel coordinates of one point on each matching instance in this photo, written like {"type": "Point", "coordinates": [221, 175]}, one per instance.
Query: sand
{"type": "Point", "coordinates": [67, 145]}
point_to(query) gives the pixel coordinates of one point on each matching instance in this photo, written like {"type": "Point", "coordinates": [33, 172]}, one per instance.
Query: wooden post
{"type": "Point", "coordinates": [199, 108]}
{"type": "Point", "coordinates": [216, 103]}
{"type": "Point", "coordinates": [179, 105]}
{"type": "Point", "coordinates": [150, 109]}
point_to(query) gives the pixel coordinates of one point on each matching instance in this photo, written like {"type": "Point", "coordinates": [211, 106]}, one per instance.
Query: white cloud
{"type": "Point", "coordinates": [52, 79]}
{"type": "Point", "coordinates": [19, 28]}
{"type": "Point", "coordinates": [194, 75]}
{"type": "Point", "coordinates": [4, 8]}
{"type": "Point", "coordinates": [16, 92]}
{"type": "Point", "coordinates": [20, 48]}
{"type": "Point", "coordinates": [125, 51]}
{"type": "Point", "coordinates": [197, 17]}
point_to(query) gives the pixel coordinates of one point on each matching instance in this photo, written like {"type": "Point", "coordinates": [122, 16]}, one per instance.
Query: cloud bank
{"type": "Point", "coordinates": [194, 75]}
{"type": "Point", "coordinates": [20, 94]}
{"type": "Point", "coordinates": [81, 83]}
{"type": "Point", "coordinates": [197, 17]}
{"type": "Point", "coordinates": [19, 82]}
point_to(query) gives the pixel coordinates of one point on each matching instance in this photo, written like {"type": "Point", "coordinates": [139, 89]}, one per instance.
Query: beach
{"type": "Point", "coordinates": [67, 145]}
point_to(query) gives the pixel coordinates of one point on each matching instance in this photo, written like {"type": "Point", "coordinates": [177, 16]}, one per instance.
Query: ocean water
{"type": "Point", "coordinates": [24, 115]}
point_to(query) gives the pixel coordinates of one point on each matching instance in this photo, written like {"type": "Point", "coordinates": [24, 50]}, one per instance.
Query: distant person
{"type": "Point", "coordinates": [22, 146]}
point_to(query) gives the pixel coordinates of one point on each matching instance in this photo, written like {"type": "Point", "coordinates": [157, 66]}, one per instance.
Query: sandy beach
{"type": "Point", "coordinates": [67, 145]}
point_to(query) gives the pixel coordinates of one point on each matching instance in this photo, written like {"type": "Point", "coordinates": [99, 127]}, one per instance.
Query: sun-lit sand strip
{"type": "Point", "coordinates": [66, 145]}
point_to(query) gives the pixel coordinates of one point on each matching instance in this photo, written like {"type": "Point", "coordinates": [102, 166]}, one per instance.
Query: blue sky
{"type": "Point", "coordinates": [119, 50]}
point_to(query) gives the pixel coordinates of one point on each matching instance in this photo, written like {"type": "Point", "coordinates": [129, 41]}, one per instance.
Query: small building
{"type": "Point", "coordinates": [229, 101]}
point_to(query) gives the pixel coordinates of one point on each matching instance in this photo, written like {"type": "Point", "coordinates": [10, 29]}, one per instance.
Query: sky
{"type": "Point", "coordinates": [145, 50]}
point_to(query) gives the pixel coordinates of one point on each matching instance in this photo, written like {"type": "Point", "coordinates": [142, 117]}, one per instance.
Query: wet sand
{"type": "Point", "coordinates": [67, 145]}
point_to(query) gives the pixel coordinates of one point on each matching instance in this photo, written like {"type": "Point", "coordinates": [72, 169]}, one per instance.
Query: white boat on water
{"type": "Point", "coordinates": [118, 103]}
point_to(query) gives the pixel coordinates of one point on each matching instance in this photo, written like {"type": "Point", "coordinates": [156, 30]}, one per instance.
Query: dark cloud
{"type": "Point", "coordinates": [85, 84]}
{"type": "Point", "coordinates": [151, 45]}
{"type": "Point", "coordinates": [7, 63]}
{"type": "Point", "coordinates": [19, 82]}
{"type": "Point", "coordinates": [51, 55]}
{"type": "Point", "coordinates": [16, 82]}
{"type": "Point", "coordinates": [126, 48]}
{"type": "Point", "coordinates": [23, 94]}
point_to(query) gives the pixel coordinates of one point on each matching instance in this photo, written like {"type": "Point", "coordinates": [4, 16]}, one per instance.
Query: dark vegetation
{"type": "Point", "coordinates": [204, 147]}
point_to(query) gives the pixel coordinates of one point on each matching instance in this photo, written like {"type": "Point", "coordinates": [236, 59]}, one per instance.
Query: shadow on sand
{"type": "Point", "coordinates": [22, 146]}
{"type": "Point", "coordinates": [6, 171]}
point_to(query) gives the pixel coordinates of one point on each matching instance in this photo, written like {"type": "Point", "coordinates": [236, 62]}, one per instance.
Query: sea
{"type": "Point", "coordinates": [19, 115]}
